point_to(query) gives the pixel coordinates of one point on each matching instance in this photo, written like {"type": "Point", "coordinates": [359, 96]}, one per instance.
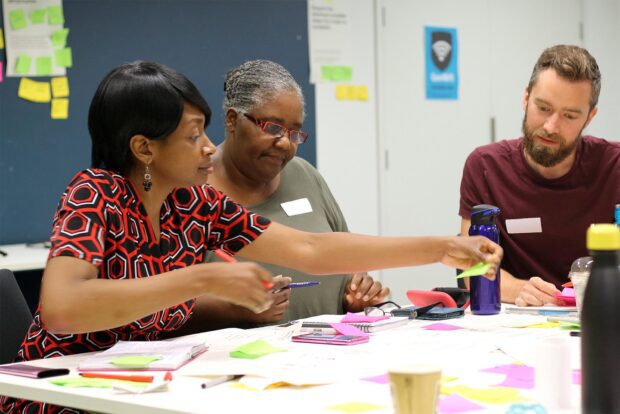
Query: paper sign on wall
{"type": "Point", "coordinates": [442, 80]}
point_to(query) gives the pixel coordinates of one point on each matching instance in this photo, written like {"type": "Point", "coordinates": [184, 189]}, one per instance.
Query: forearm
{"type": "Point", "coordinates": [510, 286]}
{"type": "Point", "coordinates": [95, 304]}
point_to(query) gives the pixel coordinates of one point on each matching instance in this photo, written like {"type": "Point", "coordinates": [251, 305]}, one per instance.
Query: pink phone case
{"type": "Point", "coordinates": [330, 339]}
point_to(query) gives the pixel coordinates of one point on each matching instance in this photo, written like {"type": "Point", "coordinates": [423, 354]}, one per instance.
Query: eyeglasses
{"type": "Point", "coordinates": [278, 131]}
{"type": "Point", "coordinates": [381, 309]}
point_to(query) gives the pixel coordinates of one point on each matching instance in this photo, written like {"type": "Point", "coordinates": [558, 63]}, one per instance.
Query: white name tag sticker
{"type": "Point", "coordinates": [524, 225]}
{"type": "Point", "coordinates": [296, 207]}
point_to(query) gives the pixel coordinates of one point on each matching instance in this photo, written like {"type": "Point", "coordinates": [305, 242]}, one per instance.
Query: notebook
{"type": "Point", "coordinates": [322, 323]}
{"type": "Point", "coordinates": [144, 355]}
{"type": "Point", "coordinates": [546, 310]}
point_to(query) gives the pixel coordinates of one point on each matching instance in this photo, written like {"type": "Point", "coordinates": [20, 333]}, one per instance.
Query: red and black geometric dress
{"type": "Point", "coordinates": [101, 219]}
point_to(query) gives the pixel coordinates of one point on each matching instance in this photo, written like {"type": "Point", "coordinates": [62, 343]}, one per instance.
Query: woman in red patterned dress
{"type": "Point", "coordinates": [130, 234]}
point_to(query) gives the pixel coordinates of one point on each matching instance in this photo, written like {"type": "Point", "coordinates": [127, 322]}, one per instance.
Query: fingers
{"type": "Point", "coordinates": [355, 281]}
{"type": "Point", "coordinates": [280, 282]}
{"type": "Point", "coordinates": [536, 292]}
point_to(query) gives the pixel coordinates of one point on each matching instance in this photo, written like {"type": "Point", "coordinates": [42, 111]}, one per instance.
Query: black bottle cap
{"type": "Point", "coordinates": [484, 214]}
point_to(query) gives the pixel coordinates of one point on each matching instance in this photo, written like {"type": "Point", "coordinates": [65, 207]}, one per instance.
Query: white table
{"type": "Point", "coordinates": [20, 257]}
{"type": "Point", "coordinates": [485, 342]}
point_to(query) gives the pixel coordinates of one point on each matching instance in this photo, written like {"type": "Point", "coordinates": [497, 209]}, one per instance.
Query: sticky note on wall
{"type": "Point", "coordinates": [22, 64]}
{"type": "Point", "coordinates": [60, 87]}
{"type": "Point", "coordinates": [351, 93]}
{"type": "Point", "coordinates": [34, 91]}
{"type": "Point", "coordinates": [1, 38]}
{"type": "Point", "coordinates": [60, 108]}
{"type": "Point", "coordinates": [17, 18]}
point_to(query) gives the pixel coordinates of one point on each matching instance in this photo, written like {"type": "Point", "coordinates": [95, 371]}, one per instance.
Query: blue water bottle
{"type": "Point", "coordinates": [617, 214]}
{"type": "Point", "coordinates": [484, 293]}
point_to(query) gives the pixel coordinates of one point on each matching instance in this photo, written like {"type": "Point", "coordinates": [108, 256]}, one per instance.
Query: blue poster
{"type": "Point", "coordinates": [442, 77]}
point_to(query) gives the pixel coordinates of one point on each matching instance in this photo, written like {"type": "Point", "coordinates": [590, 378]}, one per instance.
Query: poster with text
{"type": "Point", "coordinates": [30, 30]}
{"type": "Point", "coordinates": [442, 77]}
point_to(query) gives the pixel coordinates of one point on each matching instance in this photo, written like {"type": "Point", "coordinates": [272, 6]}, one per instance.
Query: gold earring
{"type": "Point", "coordinates": [147, 183]}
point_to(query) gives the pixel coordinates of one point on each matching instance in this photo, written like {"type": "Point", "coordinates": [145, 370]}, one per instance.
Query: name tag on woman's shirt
{"type": "Point", "coordinates": [296, 207]}
{"type": "Point", "coordinates": [524, 225]}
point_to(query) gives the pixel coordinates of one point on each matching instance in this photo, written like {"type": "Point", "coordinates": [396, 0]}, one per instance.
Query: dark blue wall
{"type": "Point", "coordinates": [200, 38]}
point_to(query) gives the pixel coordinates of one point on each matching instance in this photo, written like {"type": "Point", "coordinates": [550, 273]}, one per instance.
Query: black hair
{"type": "Point", "coordinates": [137, 98]}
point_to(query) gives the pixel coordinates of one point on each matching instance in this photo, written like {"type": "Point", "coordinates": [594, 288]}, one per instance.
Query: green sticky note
{"type": "Point", "coordinates": [37, 16]}
{"type": "Point", "coordinates": [255, 350]}
{"type": "Point", "coordinates": [134, 361]}
{"type": "Point", "coordinates": [326, 72]}
{"type": "Point", "coordinates": [22, 64]}
{"type": "Point", "coordinates": [43, 66]}
{"type": "Point", "coordinates": [55, 15]}
{"type": "Point", "coordinates": [64, 58]}
{"type": "Point", "coordinates": [478, 269]}
{"type": "Point", "coordinates": [17, 18]}
{"type": "Point", "coordinates": [342, 73]}
{"type": "Point", "coordinates": [59, 38]}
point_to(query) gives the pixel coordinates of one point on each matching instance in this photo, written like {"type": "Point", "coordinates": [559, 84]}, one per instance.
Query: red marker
{"type": "Point", "coordinates": [136, 378]}
{"type": "Point", "coordinates": [229, 259]}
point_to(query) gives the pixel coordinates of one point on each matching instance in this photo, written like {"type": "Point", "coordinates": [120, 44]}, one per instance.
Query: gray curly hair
{"type": "Point", "coordinates": [255, 82]}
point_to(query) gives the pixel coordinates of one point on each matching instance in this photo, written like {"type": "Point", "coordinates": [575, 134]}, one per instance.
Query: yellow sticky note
{"type": "Point", "coordinates": [34, 91]}
{"type": "Point", "coordinates": [495, 395]}
{"type": "Point", "coordinates": [55, 15]}
{"type": "Point", "coordinates": [362, 93]}
{"type": "Point", "coordinates": [17, 18]}
{"type": "Point", "coordinates": [60, 108]}
{"type": "Point", "coordinates": [1, 38]}
{"type": "Point", "coordinates": [356, 407]}
{"type": "Point", "coordinates": [342, 92]}
{"type": "Point", "coordinates": [544, 325]}
{"type": "Point", "coordinates": [64, 58]}
{"type": "Point", "coordinates": [60, 87]}
{"type": "Point", "coordinates": [37, 16]}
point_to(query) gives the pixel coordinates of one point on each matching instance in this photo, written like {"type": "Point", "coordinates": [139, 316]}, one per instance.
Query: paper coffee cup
{"type": "Point", "coordinates": [415, 388]}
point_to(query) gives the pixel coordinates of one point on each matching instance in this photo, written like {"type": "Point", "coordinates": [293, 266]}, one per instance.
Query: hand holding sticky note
{"type": "Point", "coordinates": [478, 269]}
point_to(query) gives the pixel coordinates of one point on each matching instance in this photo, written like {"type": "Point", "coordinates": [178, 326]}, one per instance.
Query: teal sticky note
{"type": "Point", "coordinates": [37, 16]}
{"type": "Point", "coordinates": [55, 15]}
{"type": "Point", "coordinates": [59, 38]}
{"type": "Point", "coordinates": [17, 18]}
{"type": "Point", "coordinates": [64, 58]}
{"type": "Point", "coordinates": [478, 269]}
{"type": "Point", "coordinates": [22, 64]}
{"type": "Point", "coordinates": [43, 66]}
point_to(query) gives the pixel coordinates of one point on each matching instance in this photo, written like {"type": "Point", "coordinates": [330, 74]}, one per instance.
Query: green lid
{"type": "Point", "coordinates": [603, 237]}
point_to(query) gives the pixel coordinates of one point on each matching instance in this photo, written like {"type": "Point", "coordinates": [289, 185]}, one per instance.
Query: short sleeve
{"type": "Point", "coordinates": [78, 229]}
{"type": "Point", "coordinates": [473, 176]}
{"type": "Point", "coordinates": [232, 226]}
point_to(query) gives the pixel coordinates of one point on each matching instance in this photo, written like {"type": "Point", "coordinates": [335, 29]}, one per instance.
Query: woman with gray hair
{"type": "Point", "coordinates": [256, 166]}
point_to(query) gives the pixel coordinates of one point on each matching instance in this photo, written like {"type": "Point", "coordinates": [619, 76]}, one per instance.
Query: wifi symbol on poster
{"type": "Point", "coordinates": [441, 49]}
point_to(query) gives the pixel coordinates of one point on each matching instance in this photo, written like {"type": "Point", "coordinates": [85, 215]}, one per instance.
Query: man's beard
{"type": "Point", "coordinates": [543, 155]}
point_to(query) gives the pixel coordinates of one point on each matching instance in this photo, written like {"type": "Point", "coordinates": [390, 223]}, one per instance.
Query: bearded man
{"type": "Point", "coordinates": [550, 184]}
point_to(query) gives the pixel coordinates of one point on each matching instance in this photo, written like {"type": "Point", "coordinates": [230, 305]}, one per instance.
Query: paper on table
{"type": "Point", "coordinates": [478, 269]}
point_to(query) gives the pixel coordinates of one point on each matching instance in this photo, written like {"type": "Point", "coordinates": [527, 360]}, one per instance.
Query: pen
{"type": "Point", "coordinates": [575, 333]}
{"type": "Point", "coordinates": [298, 285]}
{"type": "Point", "coordinates": [229, 259]}
{"type": "Point", "coordinates": [218, 381]}
{"type": "Point", "coordinates": [3, 253]}
{"type": "Point", "coordinates": [135, 378]}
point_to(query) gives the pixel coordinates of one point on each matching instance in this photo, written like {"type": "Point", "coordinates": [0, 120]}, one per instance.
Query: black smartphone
{"type": "Point", "coordinates": [442, 313]}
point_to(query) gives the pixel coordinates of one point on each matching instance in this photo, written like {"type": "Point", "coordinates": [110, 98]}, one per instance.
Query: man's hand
{"type": "Point", "coordinates": [363, 291]}
{"type": "Point", "coordinates": [536, 292]}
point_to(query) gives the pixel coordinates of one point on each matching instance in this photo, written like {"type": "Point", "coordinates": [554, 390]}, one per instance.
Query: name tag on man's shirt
{"type": "Point", "coordinates": [296, 207]}
{"type": "Point", "coordinates": [524, 225]}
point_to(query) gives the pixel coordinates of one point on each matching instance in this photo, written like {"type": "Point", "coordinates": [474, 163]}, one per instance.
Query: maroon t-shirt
{"type": "Point", "coordinates": [498, 174]}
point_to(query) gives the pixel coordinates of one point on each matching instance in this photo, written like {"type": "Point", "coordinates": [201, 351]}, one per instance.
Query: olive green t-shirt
{"type": "Point", "coordinates": [301, 180]}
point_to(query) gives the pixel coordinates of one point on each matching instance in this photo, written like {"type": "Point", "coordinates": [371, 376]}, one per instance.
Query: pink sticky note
{"type": "Point", "coordinates": [1, 71]}
{"type": "Point", "coordinates": [569, 292]}
{"type": "Point", "coordinates": [355, 318]}
{"type": "Point", "coordinates": [454, 403]}
{"type": "Point", "coordinates": [347, 329]}
{"type": "Point", "coordinates": [517, 376]}
{"type": "Point", "coordinates": [577, 376]}
{"type": "Point", "coordinates": [441, 327]}
{"type": "Point", "coordinates": [379, 379]}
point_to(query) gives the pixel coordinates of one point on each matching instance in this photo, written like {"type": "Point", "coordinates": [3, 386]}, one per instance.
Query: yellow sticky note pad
{"type": "Point", "coordinates": [34, 91]}
{"type": "Point", "coordinates": [60, 87]}
{"type": "Point", "coordinates": [1, 38]}
{"type": "Point", "coordinates": [495, 395]}
{"type": "Point", "coordinates": [356, 407]}
{"type": "Point", "coordinates": [60, 108]}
